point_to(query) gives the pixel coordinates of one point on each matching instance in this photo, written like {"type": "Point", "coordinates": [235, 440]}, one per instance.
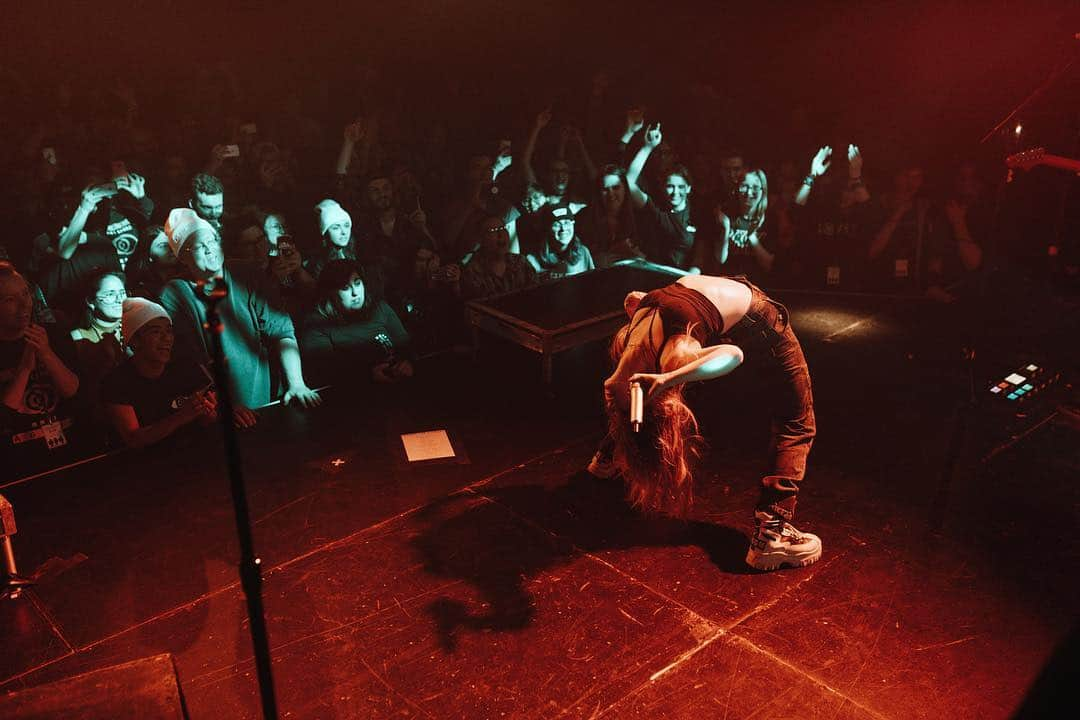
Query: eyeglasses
{"type": "Point", "coordinates": [112, 295]}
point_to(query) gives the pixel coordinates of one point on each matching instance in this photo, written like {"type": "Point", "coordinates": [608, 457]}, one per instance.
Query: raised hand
{"type": "Point", "coordinates": [94, 194]}
{"type": "Point", "coordinates": [134, 184]}
{"type": "Point", "coordinates": [854, 159]}
{"type": "Point", "coordinates": [821, 161]}
{"type": "Point", "coordinates": [543, 118]}
{"type": "Point", "coordinates": [502, 161]}
{"type": "Point", "coordinates": [635, 120]}
{"type": "Point", "coordinates": [354, 132]}
{"type": "Point", "coordinates": [653, 136]}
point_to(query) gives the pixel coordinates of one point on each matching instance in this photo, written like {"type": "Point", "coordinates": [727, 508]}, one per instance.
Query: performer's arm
{"type": "Point", "coordinates": [711, 362]}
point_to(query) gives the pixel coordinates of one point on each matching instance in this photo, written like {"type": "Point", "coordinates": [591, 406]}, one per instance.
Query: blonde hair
{"type": "Point", "coordinates": [756, 213]}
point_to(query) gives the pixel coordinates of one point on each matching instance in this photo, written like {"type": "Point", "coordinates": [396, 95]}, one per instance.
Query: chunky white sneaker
{"type": "Point", "coordinates": [602, 465]}
{"type": "Point", "coordinates": [776, 544]}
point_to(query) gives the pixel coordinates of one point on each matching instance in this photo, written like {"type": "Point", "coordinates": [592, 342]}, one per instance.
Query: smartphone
{"type": "Point", "coordinates": [119, 169]}
{"type": "Point", "coordinates": [249, 128]}
{"type": "Point", "coordinates": [231, 151]}
{"type": "Point", "coordinates": [49, 154]}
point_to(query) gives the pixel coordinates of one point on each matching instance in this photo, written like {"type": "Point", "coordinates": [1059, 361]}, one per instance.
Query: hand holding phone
{"type": "Point", "coordinates": [230, 151]}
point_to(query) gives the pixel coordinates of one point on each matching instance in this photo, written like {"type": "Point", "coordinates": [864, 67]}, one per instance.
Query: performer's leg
{"type": "Point", "coordinates": [602, 464]}
{"type": "Point", "coordinates": [776, 542]}
{"type": "Point", "coordinates": [793, 430]}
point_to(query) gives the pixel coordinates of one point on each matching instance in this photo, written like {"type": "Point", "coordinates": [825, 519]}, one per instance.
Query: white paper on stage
{"type": "Point", "coordinates": [430, 445]}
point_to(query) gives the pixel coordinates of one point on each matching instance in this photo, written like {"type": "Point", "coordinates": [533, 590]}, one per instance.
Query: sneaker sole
{"type": "Point", "coordinates": [775, 562]}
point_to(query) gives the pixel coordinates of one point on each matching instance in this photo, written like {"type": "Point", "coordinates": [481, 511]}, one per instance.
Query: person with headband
{"type": "Point", "coordinates": [699, 328]}
{"type": "Point", "coordinates": [252, 325]}
{"type": "Point", "coordinates": [152, 395]}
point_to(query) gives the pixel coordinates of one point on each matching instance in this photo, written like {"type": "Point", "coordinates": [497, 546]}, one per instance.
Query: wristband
{"type": "Point", "coordinates": [808, 181]}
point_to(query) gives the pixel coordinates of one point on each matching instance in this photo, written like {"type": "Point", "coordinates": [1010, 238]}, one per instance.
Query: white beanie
{"type": "Point", "coordinates": [330, 213]}
{"type": "Point", "coordinates": [181, 225]}
{"type": "Point", "coordinates": [137, 312]}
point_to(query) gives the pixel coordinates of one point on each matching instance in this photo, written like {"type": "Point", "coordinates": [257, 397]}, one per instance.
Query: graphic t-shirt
{"type": "Point", "coordinates": [153, 398]}
{"type": "Point", "coordinates": [740, 259]}
{"type": "Point", "coordinates": [50, 418]}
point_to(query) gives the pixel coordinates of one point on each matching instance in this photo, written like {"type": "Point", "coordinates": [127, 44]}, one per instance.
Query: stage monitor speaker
{"type": "Point", "coordinates": [140, 690]}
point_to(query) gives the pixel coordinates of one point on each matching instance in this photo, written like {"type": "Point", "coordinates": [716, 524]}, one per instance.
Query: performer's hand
{"type": "Point", "coordinates": [653, 384]}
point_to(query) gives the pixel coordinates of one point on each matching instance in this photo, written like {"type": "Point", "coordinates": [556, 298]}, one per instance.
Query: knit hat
{"type": "Point", "coordinates": [330, 213]}
{"type": "Point", "coordinates": [181, 225]}
{"type": "Point", "coordinates": [137, 312]}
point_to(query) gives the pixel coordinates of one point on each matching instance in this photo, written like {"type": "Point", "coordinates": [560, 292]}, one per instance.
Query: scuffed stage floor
{"type": "Point", "coordinates": [512, 584]}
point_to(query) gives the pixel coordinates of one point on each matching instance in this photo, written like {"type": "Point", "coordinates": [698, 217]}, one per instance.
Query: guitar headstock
{"type": "Point", "coordinates": [1026, 160]}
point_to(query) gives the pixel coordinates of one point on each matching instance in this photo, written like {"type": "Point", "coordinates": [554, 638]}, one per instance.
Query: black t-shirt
{"type": "Point", "coordinates": [831, 245]}
{"type": "Point", "coordinates": [153, 398]}
{"type": "Point", "coordinates": [902, 265]}
{"type": "Point", "coordinates": [741, 259]}
{"type": "Point", "coordinates": [669, 236]}
{"type": "Point", "coordinates": [51, 418]}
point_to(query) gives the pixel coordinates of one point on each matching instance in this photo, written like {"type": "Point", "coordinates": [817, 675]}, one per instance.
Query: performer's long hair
{"type": "Point", "coordinates": [656, 460]}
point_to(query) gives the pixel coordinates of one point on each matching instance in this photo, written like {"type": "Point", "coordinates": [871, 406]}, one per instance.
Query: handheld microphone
{"type": "Point", "coordinates": [637, 406]}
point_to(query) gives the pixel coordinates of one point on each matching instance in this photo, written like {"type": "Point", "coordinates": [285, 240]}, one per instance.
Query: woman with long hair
{"type": "Point", "coordinates": [335, 229]}
{"type": "Point", "coordinates": [742, 241]}
{"type": "Point", "coordinates": [699, 328]}
{"type": "Point", "coordinates": [97, 338]}
{"type": "Point", "coordinates": [563, 254]}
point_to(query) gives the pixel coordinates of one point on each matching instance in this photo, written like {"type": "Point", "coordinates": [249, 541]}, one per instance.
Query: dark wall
{"type": "Point", "coordinates": [930, 77]}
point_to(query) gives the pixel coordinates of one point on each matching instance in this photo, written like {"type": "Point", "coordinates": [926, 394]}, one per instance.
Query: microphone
{"type": "Point", "coordinates": [637, 406]}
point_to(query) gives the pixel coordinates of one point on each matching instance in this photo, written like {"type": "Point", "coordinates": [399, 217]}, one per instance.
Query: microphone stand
{"type": "Point", "coordinates": [250, 572]}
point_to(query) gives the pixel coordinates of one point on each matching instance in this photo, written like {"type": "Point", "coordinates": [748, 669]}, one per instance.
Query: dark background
{"type": "Point", "coordinates": [906, 81]}
{"type": "Point", "coordinates": [944, 69]}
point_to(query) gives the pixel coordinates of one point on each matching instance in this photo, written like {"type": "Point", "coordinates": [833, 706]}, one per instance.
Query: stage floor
{"type": "Point", "coordinates": [511, 584]}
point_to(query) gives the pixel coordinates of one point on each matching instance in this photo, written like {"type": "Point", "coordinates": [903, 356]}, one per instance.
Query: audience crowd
{"type": "Point", "coordinates": [337, 250]}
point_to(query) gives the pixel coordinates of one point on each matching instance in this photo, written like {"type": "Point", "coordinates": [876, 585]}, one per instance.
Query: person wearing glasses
{"type": "Point", "coordinates": [98, 343]}
{"type": "Point", "coordinates": [742, 245]}
{"type": "Point", "coordinates": [493, 269]}
{"type": "Point", "coordinates": [564, 253]}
